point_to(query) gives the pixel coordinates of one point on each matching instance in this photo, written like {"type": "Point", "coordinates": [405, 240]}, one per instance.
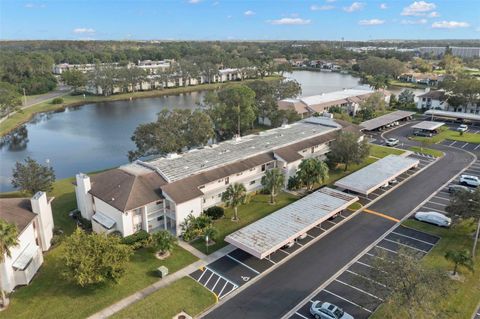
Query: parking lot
{"type": "Point", "coordinates": [477, 314]}
{"type": "Point", "coordinates": [354, 290]}
{"type": "Point", "coordinates": [472, 147]}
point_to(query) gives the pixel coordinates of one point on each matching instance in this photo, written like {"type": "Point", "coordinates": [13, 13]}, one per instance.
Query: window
{"type": "Point", "coordinates": [220, 195]}
{"type": "Point", "coordinates": [252, 182]}
{"type": "Point", "coordinates": [201, 187]}
{"type": "Point", "coordinates": [264, 167]}
{"type": "Point", "coordinates": [252, 169]}
{"type": "Point", "coordinates": [220, 180]}
{"type": "Point", "coordinates": [159, 202]}
{"type": "Point", "coordinates": [227, 180]}
{"type": "Point", "coordinates": [239, 174]}
{"type": "Point", "coordinates": [160, 218]}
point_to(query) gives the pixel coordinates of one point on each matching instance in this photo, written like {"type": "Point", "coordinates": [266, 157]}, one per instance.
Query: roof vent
{"type": "Point", "coordinates": [113, 198]}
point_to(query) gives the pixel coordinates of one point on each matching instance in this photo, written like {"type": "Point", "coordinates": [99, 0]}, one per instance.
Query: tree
{"type": "Point", "coordinates": [193, 227]}
{"type": "Point", "coordinates": [76, 79]}
{"type": "Point", "coordinates": [8, 239]}
{"type": "Point", "coordinates": [234, 196]}
{"type": "Point", "coordinates": [210, 234]}
{"type": "Point", "coordinates": [32, 177]}
{"type": "Point", "coordinates": [465, 205]}
{"type": "Point", "coordinates": [273, 181]}
{"type": "Point", "coordinates": [462, 92]}
{"type": "Point", "coordinates": [163, 241]}
{"type": "Point", "coordinates": [10, 99]}
{"type": "Point", "coordinates": [311, 171]}
{"type": "Point", "coordinates": [376, 66]}
{"type": "Point", "coordinates": [406, 99]}
{"type": "Point", "coordinates": [460, 258]}
{"type": "Point", "coordinates": [104, 78]}
{"type": "Point", "coordinates": [92, 258]}
{"type": "Point", "coordinates": [453, 65]}
{"type": "Point", "coordinates": [347, 149]}
{"type": "Point", "coordinates": [393, 101]}
{"type": "Point", "coordinates": [413, 288]}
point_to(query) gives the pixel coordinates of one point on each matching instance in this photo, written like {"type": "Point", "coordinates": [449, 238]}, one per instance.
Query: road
{"type": "Point", "coordinates": [273, 295]}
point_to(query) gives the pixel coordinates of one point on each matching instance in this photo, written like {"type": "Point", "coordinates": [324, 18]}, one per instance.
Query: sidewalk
{"type": "Point", "coordinates": [142, 294]}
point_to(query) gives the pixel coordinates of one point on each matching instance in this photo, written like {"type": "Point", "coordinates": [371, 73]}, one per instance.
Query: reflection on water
{"type": "Point", "coordinates": [97, 136]}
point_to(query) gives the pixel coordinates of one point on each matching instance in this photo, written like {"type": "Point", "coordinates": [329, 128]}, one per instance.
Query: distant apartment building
{"type": "Point", "coordinates": [437, 100]}
{"type": "Point", "coordinates": [429, 79]}
{"type": "Point", "coordinates": [155, 67]}
{"type": "Point", "coordinates": [348, 100]}
{"type": "Point", "coordinates": [463, 52]}
{"type": "Point", "coordinates": [34, 222]}
{"type": "Point", "coordinates": [159, 194]}
{"type": "Point", "coordinates": [84, 68]}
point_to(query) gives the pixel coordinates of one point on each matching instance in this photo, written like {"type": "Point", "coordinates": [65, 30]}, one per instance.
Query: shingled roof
{"type": "Point", "coordinates": [17, 211]}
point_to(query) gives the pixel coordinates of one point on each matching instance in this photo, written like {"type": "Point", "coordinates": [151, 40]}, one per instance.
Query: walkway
{"type": "Point", "coordinates": [142, 294]}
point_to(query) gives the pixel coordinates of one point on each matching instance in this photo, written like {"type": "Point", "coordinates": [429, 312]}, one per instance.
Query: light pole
{"type": "Point", "coordinates": [206, 243]}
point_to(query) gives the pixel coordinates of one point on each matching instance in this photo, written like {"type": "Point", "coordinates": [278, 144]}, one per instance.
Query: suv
{"type": "Point", "coordinates": [327, 310]}
{"type": "Point", "coordinates": [458, 188]}
{"type": "Point", "coordinates": [392, 142]}
{"type": "Point", "coordinates": [470, 180]}
{"type": "Point", "coordinates": [462, 128]}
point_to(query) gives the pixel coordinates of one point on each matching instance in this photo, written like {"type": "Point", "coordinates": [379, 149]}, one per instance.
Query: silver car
{"type": "Point", "coordinates": [326, 310]}
{"type": "Point", "coordinates": [434, 218]}
{"type": "Point", "coordinates": [392, 142]}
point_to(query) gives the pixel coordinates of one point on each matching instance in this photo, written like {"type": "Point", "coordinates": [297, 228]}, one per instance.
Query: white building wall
{"type": "Point", "coordinates": [182, 210]}
{"type": "Point", "coordinates": [123, 221]}
{"type": "Point", "coordinates": [84, 198]}
{"type": "Point", "coordinates": [44, 223]}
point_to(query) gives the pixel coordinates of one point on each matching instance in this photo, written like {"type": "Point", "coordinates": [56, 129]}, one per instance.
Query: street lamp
{"type": "Point", "coordinates": [206, 243]}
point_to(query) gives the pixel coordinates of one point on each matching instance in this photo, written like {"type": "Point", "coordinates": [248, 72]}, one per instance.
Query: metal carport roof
{"type": "Point", "coordinates": [428, 125]}
{"type": "Point", "coordinates": [386, 119]}
{"type": "Point", "coordinates": [371, 177]}
{"type": "Point", "coordinates": [453, 115]}
{"type": "Point", "coordinates": [270, 233]}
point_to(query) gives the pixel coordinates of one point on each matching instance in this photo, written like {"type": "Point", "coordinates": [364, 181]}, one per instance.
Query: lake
{"type": "Point", "coordinates": [97, 136]}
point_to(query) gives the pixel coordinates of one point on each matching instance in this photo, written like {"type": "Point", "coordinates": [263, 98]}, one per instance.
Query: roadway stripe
{"type": "Point", "coordinates": [381, 215]}
{"type": "Point", "coordinates": [351, 302]}
{"type": "Point", "coordinates": [246, 266]}
{"type": "Point", "coordinates": [422, 241]}
{"type": "Point", "coordinates": [356, 288]}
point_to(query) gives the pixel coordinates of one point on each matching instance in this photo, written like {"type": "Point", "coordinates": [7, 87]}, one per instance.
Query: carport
{"type": "Point", "coordinates": [272, 232]}
{"type": "Point", "coordinates": [429, 127]}
{"type": "Point", "coordinates": [453, 115]}
{"type": "Point", "coordinates": [377, 174]}
{"type": "Point", "coordinates": [386, 120]}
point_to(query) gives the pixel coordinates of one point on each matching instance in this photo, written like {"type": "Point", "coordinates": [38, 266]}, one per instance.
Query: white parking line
{"type": "Point", "coordinates": [351, 302]}
{"type": "Point", "coordinates": [441, 197]}
{"type": "Point", "coordinates": [464, 145]}
{"type": "Point", "coordinates": [286, 252]}
{"type": "Point", "coordinates": [358, 289]}
{"type": "Point", "coordinates": [366, 278]}
{"type": "Point", "coordinates": [393, 251]}
{"type": "Point", "coordinates": [437, 210]}
{"type": "Point", "coordinates": [203, 273]}
{"type": "Point", "coordinates": [220, 293]}
{"type": "Point", "coordinates": [308, 235]}
{"type": "Point", "coordinates": [245, 265]}
{"type": "Point", "coordinates": [422, 241]}
{"type": "Point", "coordinates": [453, 143]}
{"type": "Point", "coordinates": [206, 282]}
{"type": "Point", "coordinates": [476, 147]}
{"type": "Point", "coordinates": [436, 203]}
{"type": "Point", "coordinates": [300, 315]}
{"type": "Point", "coordinates": [216, 283]}
{"type": "Point", "coordinates": [402, 244]}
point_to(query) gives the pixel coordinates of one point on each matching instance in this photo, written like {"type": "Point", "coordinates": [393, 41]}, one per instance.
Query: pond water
{"type": "Point", "coordinates": [97, 136]}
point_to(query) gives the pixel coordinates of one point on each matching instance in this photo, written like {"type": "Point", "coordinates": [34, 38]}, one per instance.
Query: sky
{"type": "Point", "coordinates": [239, 20]}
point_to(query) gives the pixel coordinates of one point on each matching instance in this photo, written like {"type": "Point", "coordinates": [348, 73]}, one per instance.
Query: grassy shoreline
{"type": "Point", "coordinates": [24, 116]}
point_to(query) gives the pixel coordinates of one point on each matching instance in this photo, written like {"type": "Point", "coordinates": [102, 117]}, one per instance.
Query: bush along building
{"type": "Point", "coordinates": [160, 193]}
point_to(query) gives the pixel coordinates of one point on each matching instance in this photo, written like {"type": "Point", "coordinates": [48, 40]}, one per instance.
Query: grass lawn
{"type": "Point", "coordinates": [258, 207]}
{"type": "Point", "coordinates": [406, 84]}
{"type": "Point", "coordinates": [184, 294]}
{"type": "Point", "coordinates": [382, 151]}
{"type": "Point", "coordinates": [50, 296]}
{"type": "Point", "coordinates": [429, 151]}
{"type": "Point", "coordinates": [465, 295]}
{"type": "Point", "coordinates": [446, 134]}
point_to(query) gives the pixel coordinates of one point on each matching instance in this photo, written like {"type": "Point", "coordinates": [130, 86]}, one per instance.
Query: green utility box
{"type": "Point", "coordinates": [162, 271]}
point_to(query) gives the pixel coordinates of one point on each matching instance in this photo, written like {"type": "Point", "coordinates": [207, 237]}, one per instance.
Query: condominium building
{"type": "Point", "coordinates": [34, 222]}
{"type": "Point", "coordinates": [160, 193]}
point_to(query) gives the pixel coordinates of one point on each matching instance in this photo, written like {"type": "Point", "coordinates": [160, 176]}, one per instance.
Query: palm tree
{"type": "Point", "coordinates": [460, 258]}
{"type": "Point", "coordinates": [273, 180]}
{"type": "Point", "coordinates": [163, 241]}
{"type": "Point", "coordinates": [311, 171]}
{"type": "Point", "coordinates": [8, 239]}
{"type": "Point", "coordinates": [234, 196]}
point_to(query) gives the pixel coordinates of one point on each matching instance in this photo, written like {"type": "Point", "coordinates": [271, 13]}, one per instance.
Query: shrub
{"type": "Point", "coordinates": [163, 241]}
{"type": "Point", "coordinates": [137, 240]}
{"type": "Point", "coordinates": [294, 183]}
{"type": "Point", "coordinates": [215, 212]}
{"type": "Point", "coordinates": [57, 100]}
{"type": "Point", "coordinates": [194, 227]}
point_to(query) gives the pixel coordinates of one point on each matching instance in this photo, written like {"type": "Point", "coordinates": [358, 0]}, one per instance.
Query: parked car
{"type": "Point", "coordinates": [392, 142]}
{"type": "Point", "coordinates": [289, 244]}
{"type": "Point", "coordinates": [462, 128]}
{"type": "Point", "coordinates": [423, 133]}
{"type": "Point", "coordinates": [458, 188]}
{"type": "Point", "coordinates": [470, 180]}
{"type": "Point", "coordinates": [302, 236]}
{"type": "Point", "coordinates": [326, 310]}
{"type": "Point", "coordinates": [433, 218]}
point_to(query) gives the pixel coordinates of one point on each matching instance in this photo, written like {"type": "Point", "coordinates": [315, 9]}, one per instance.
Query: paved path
{"type": "Point", "coordinates": [192, 250]}
{"type": "Point", "coordinates": [142, 294]}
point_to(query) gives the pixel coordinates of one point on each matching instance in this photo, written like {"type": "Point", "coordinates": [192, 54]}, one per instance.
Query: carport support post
{"type": "Point", "coordinates": [476, 238]}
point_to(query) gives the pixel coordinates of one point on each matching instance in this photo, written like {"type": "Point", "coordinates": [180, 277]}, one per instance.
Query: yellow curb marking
{"type": "Point", "coordinates": [381, 215]}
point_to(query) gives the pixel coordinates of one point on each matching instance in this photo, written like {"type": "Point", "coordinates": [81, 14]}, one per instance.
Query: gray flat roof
{"type": "Point", "coordinates": [270, 233]}
{"type": "Point", "coordinates": [198, 160]}
{"type": "Point", "coordinates": [428, 125]}
{"type": "Point", "coordinates": [371, 177]}
{"type": "Point", "coordinates": [454, 115]}
{"type": "Point", "coordinates": [383, 120]}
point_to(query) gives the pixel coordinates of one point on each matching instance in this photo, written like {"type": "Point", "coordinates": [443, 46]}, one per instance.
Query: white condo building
{"type": "Point", "coordinates": [34, 222]}
{"type": "Point", "coordinates": [161, 193]}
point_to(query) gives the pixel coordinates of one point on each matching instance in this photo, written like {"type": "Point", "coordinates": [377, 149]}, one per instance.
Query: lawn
{"type": "Point", "coordinates": [51, 296]}
{"type": "Point", "coordinates": [406, 84]}
{"type": "Point", "coordinates": [465, 295]}
{"type": "Point", "coordinates": [446, 134]}
{"type": "Point", "coordinates": [257, 208]}
{"type": "Point", "coordinates": [184, 294]}
{"type": "Point", "coordinates": [382, 151]}
{"type": "Point", "coordinates": [428, 151]}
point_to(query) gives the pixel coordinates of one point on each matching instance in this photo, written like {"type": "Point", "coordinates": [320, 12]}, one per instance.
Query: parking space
{"type": "Point", "coordinates": [472, 147]}
{"type": "Point", "coordinates": [355, 290]}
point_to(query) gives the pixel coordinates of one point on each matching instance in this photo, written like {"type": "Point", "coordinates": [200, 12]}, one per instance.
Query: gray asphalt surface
{"type": "Point", "coordinates": [273, 295]}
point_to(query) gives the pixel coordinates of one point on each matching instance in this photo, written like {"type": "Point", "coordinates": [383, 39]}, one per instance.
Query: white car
{"type": "Point", "coordinates": [392, 142]}
{"type": "Point", "coordinates": [470, 180]}
{"type": "Point", "coordinates": [326, 310]}
{"type": "Point", "coordinates": [462, 128]}
{"type": "Point", "coordinates": [434, 218]}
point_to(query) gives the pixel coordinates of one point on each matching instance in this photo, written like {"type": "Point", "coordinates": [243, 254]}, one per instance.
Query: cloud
{"type": "Point", "coordinates": [371, 22]}
{"type": "Point", "coordinates": [418, 8]}
{"type": "Point", "coordinates": [433, 14]}
{"type": "Point", "coordinates": [249, 13]}
{"type": "Point", "coordinates": [84, 30]}
{"type": "Point", "coordinates": [34, 5]}
{"type": "Point", "coordinates": [194, 1]}
{"type": "Point", "coordinates": [449, 25]}
{"type": "Point", "coordinates": [383, 6]}
{"type": "Point", "coordinates": [354, 7]}
{"type": "Point", "coordinates": [321, 8]}
{"type": "Point", "coordinates": [419, 21]}
{"type": "Point", "coordinates": [290, 21]}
